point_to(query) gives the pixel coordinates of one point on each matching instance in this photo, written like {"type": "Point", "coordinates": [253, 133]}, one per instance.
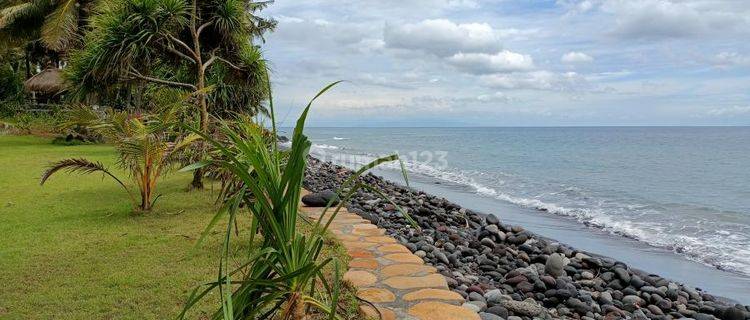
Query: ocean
{"type": "Point", "coordinates": [671, 200]}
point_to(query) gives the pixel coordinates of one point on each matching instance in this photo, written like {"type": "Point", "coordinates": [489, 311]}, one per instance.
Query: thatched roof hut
{"type": "Point", "coordinates": [49, 81]}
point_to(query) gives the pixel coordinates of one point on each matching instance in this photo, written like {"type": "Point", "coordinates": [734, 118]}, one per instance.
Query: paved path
{"type": "Point", "coordinates": [389, 276]}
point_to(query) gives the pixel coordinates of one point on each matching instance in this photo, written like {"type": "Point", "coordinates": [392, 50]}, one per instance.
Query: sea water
{"type": "Point", "coordinates": [670, 200]}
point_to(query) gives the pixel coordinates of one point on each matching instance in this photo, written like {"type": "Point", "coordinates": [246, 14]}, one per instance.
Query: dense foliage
{"type": "Point", "coordinates": [204, 48]}
{"type": "Point", "coordinates": [57, 24]}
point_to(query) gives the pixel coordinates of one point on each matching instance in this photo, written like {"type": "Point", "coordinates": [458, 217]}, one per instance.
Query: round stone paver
{"type": "Point", "coordinates": [405, 269]}
{"type": "Point", "coordinates": [367, 232]}
{"type": "Point", "coordinates": [403, 257]}
{"type": "Point", "coordinates": [360, 278]}
{"type": "Point", "coordinates": [381, 239]}
{"type": "Point", "coordinates": [347, 237]}
{"type": "Point", "coordinates": [359, 253]}
{"type": "Point", "coordinates": [370, 313]}
{"type": "Point", "coordinates": [433, 294]}
{"type": "Point", "coordinates": [364, 226]}
{"type": "Point", "coordinates": [429, 281]}
{"type": "Point", "coordinates": [364, 263]}
{"type": "Point", "coordinates": [359, 244]}
{"type": "Point", "coordinates": [376, 295]}
{"type": "Point", "coordinates": [431, 310]}
{"type": "Point", "coordinates": [393, 248]}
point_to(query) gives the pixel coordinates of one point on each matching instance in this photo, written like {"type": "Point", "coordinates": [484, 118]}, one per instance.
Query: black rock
{"type": "Point", "coordinates": [703, 316]}
{"type": "Point", "coordinates": [492, 219]}
{"type": "Point", "coordinates": [498, 311]}
{"type": "Point", "coordinates": [525, 286]}
{"type": "Point", "coordinates": [489, 316]}
{"type": "Point", "coordinates": [441, 257]}
{"type": "Point", "coordinates": [320, 199]}
{"type": "Point", "coordinates": [578, 306]}
{"type": "Point", "coordinates": [476, 289]}
{"type": "Point", "coordinates": [623, 275]}
{"type": "Point", "coordinates": [637, 282]}
{"type": "Point", "coordinates": [733, 313]}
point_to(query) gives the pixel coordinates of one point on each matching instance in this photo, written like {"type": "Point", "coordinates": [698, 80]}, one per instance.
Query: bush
{"type": "Point", "coordinates": [277, 281]}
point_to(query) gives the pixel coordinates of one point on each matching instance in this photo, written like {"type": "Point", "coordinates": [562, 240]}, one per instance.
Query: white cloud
{"type": "Point", "coordinates": [576, 57]}
{"type": "Point", "coordinates": [730, 59]}
{"type": "Point", "coordinates": [287, 19]}
{"type": "Point", "coordinates": [496, 97]}
{"type": "Point", "coordinates": [383, 81]}
{"type": "Point", "coordinates": [319, 32]}
{"type": "Point", "coordinates": [482, 63]}
{"type": "Point", "coordinates": [576, 6]}
{"type": "Point", "coordinates": [676, 19]}
{"type": "Point", "coordinates": [463, 4]}
{"type": "Point", "coordinates": [470, 55]}
{"type": "Point", "coordinates": [536, 80]}
{"type": "Point", "coordinates": [729, 111]}
{"type": "Point", "coordinates": [370, 45]}
{"type": "Point", "coordinates": [443, 37]}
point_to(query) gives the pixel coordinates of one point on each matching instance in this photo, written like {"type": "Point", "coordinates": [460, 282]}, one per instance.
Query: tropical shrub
{"type": "Point", "coordinates": [144, 151]}
{"type": "Point", "coordinates": [79, 125]}
{"type": "Point", "coordinates": [37, 123]}
{"type": "Point", "coordinates": [279, 280]}
{"type": "Point", "coordinates": [202, 47]}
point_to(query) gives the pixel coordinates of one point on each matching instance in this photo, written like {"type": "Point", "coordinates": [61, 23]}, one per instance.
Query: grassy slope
{"type": "Point", "coordinates": [73, 250]}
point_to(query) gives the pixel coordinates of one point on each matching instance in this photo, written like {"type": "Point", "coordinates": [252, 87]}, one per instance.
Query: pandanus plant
{"type": "Point", "coordinates": [144, 151]}
{"type": "Point", "coordinates": [279, 279]}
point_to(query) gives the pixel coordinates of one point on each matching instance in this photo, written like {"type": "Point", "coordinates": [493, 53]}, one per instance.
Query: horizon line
{"type": "Point", "coordinates": [535, 126]}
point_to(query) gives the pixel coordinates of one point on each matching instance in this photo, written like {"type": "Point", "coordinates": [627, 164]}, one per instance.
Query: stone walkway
{"type": "Point", "coordinates": [389, 276]}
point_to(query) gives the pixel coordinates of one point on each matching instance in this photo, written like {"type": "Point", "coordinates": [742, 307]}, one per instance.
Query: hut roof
{"type": "Point", "coordinates": [48, 81]}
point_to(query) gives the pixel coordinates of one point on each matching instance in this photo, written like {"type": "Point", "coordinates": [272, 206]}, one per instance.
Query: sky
{"type": "Point", "coordinates": [512, 62]}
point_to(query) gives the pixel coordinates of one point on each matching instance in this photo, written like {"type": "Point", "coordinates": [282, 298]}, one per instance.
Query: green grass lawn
{"type": "Point", "coordinates": [73, 250]}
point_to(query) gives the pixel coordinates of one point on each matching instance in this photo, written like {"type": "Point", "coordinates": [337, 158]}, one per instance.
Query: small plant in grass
{"type": "Point", "coordinates": [144, 151]}
{"type": "Point", "coordinates": [279, 280]}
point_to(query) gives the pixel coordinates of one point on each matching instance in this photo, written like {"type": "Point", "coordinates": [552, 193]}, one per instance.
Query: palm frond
{"type": "Point", "coordinates": [61, 26]}
{"type": "Point", "coordinates": [74, 165]}
{"type": "Point", "coordinates": [9, 14]}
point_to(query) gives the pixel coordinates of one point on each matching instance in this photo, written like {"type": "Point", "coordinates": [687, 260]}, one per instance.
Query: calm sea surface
{"type": "Point", "coordinates": [684, 190]}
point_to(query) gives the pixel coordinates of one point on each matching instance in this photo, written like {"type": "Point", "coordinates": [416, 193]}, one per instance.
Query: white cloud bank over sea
{"type": "Point", "coordinates": [509, 62]}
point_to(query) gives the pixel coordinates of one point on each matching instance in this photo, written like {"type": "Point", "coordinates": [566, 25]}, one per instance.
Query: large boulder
{"type": "Point", "coordinates": [554, 265]}
{"type": "Point", "coordinates": [320, 199]}
{"type": "Point", "coordinates": [527, 307]}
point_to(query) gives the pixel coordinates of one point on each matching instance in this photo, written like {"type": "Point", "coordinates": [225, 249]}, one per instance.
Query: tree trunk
{"type": "Point", "coordinates": [201, 85]}
{"type": "Point", "coordinates": [295, 309]}
{"type": "Point", "coordinates": [28, 63]}
{"type": "Point", "coordinates": [197, 182]}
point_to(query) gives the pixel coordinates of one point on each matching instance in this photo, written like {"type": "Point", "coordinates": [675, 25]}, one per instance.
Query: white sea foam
{"type": "Point", "coordinates": [340, 138]}
{"type": "Point", "coordinates": [324, 147]}
{"type": "Point", "coordinates": [703, 243]}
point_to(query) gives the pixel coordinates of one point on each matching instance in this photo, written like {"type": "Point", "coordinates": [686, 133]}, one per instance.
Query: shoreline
{"type": "Point", "coordinates": [491, 263]}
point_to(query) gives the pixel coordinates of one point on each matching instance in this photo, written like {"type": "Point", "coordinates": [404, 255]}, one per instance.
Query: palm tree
{"type": "Point", "coordinates": [44, 29]}
{"type": "Point", "coordinates": [202, 46]}
{"type": "Point", "coordinates": [57, 23]}
{"type": "Point", "coordinates": [143, 149]}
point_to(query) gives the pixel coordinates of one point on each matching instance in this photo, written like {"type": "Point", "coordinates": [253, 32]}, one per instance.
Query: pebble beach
{"type": "Point", "coordinates": [506, 272]}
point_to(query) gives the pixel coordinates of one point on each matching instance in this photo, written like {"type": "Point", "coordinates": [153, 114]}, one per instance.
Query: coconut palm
{"type": "Point", "coordinates": [57, 24]}
{"type": "Point", "coordinates": [202, 46]}
{"type": "Point", "coordinates": [144, 152]}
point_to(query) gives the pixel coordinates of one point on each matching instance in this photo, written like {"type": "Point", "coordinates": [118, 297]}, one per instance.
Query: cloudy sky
{"type": "Point", "coordinates": [513, 62]}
